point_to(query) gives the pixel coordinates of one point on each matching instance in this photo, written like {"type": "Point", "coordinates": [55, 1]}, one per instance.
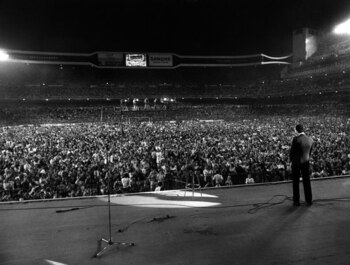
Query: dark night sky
{"type": "Point", "coordinates": [205, 27]}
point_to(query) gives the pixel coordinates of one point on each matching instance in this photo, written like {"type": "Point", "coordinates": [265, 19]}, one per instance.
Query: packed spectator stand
{"type": "Point", "coordinates": [332, 58]}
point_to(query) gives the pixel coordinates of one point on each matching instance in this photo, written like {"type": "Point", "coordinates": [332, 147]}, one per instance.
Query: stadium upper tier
{"type": "Point", "coordinates": [27, 81]}
{"type": "Point", "coordinates": [332, 55]}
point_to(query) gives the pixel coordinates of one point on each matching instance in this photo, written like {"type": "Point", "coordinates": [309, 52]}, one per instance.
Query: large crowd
{"type": "Point", "coordinates": [95, 158]}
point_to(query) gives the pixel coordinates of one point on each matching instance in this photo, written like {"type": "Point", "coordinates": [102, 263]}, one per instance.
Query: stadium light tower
{"type": "Point", "coordinates": [343, 28]}
{"type": "Point", "coordinates": [4, 56]}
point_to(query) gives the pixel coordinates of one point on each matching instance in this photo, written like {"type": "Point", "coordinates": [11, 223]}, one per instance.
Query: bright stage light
{"type": "Point", "coordinates": [343, 28]}
{"type": "Point", "coordinates": [3, 56]}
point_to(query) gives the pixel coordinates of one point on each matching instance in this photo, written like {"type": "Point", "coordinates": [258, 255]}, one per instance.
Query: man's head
{"type": "Point", "coordinates": [299, 128]}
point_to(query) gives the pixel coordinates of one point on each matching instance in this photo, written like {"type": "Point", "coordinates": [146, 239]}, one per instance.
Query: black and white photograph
{"type": "Point", "coordinates": [174, 132]}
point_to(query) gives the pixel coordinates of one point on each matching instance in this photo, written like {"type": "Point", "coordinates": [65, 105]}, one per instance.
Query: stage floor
{"type": "Point", "coordinates": [237, 225]}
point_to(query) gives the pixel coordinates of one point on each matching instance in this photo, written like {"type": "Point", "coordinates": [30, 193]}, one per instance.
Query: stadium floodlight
{"type": "Point", "coordinates": [4, 56]}
{"type": "Point", "coordinates": [342, 28]}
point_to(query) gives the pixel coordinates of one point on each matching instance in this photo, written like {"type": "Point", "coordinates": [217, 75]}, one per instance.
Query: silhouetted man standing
{"type": "Point", "coordinates": [300, 156]}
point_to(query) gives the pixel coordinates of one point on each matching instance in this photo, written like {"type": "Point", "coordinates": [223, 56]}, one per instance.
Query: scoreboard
{"type": "Point", "coordinates": [136, 60]}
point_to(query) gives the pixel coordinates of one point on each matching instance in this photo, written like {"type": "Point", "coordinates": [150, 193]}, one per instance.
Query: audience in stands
{"type": "Point", "coordinates": [86, 159]}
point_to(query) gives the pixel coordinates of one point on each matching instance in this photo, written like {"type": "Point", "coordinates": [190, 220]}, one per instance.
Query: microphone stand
{"type": "Point", "coordinates": [109, 241]}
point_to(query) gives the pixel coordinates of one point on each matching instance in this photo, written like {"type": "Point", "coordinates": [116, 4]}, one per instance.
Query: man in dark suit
{"type": "Point", "coordinates": [300, 157]}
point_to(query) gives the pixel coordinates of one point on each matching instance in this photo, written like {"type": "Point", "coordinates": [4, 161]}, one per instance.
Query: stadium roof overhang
{"type": "Point", "coordinates": [139, 60]}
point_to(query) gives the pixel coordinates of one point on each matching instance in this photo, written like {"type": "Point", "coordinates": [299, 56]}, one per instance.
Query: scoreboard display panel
{"type": "Point", "coordinates": [136, 60]}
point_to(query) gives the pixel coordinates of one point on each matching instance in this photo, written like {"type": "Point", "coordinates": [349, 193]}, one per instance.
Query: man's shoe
{"type": "Point", "coordinates": [308, 203]}
{"type": "Point", "coordinates": [296, 204]}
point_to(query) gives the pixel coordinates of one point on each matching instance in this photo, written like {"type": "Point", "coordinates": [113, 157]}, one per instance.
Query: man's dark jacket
{"type": "Point", "coordinates": [301, 149]}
